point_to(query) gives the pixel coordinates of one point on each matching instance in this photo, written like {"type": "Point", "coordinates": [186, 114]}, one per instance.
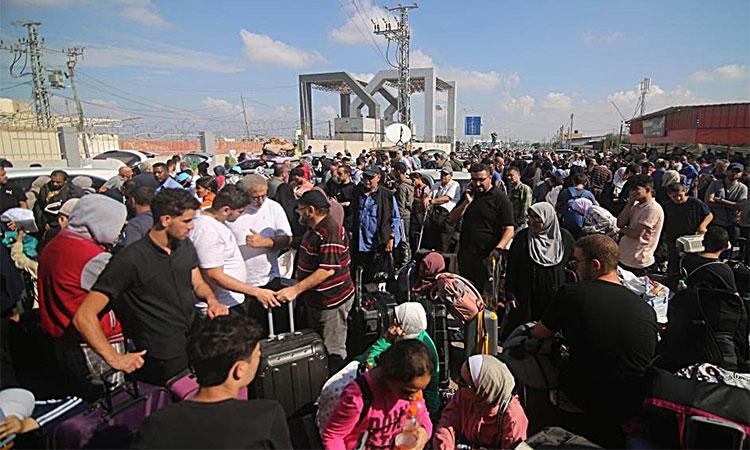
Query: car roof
{"type": "Point", "coordinates": [19, 172]}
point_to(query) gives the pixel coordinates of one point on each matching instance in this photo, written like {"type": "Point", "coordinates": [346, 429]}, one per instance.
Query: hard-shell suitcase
{"type": "Point", "coordinates": [112, 421]}
{"type": "Point", "coordinates": [437, 329]}
{"type": "Point", "coordinates": [184, 386]}
{"type": "Point", "coordinates": [369, 318]}
{"type": "Point", "coordinates": [293, 367]}
{"type": "Point", "coordinates": [480, 333]}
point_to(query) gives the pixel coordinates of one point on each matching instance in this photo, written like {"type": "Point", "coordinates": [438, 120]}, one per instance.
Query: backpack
{"type": "Point", "coordinates": [534, 362]}
{"type": "Point", "coordinates": [556, 437]}
{"type": "Point", "coordinates": [458, 294]}
{"type": "Point", "coordinates": [571, 219]}
{"type": "Point", "coordinates": [706, 326]}
{"type": "Point", "coordinates": [332, 389]}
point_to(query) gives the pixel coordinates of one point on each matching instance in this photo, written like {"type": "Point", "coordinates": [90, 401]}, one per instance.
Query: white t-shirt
{"type": "Point", "coordinates": [216, 246]}
{"type": "Point", "coordinates": [262, 264]}
{"type": "Point", "coordinates": [452, 190]}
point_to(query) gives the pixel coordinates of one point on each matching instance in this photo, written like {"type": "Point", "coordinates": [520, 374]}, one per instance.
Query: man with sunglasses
{"type": "Point", "coordinates": [487, 225]}
{"type": "Point", "coordinates": [611, 333]}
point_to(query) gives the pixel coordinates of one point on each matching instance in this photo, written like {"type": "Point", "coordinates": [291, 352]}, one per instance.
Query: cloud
{"type": "Point", "coordinates": [466, 79]}
{"type": "Point", "coordinates": [610, 37]}
{"type": "Point", "coordinates": [327, 112]}
{"type": "Point", "coordinates": [221, 105]}
{"type": "Point", "coordinates": [524, 104]}
{"type": "Point", "coordinates": [557, 100]}
{"type": "Point", "coordinates": [158, 56]}
{"type": "Point", "coordinates": [262, 49]}
{"type": "Point", "coordinates": [512, 80]}
{"type": "Point", "coordinates": [358, 28]}
{"type": "Point", "coordinates": [143, 12]}
{"type": "Point", "coordinates": [726, 72]}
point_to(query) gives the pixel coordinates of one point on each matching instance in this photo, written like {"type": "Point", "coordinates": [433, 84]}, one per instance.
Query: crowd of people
{"type": "Point", "coordinates": [172, 268]}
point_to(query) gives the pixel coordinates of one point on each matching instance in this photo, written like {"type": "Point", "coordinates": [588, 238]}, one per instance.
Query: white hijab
{"type": "Point", "coordinates": [546, 248]}
{"type": "Point", "coordinates": [412, 317]}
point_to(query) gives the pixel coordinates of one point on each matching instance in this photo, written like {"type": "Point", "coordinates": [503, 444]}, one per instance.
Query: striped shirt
{"type": "Point", "coordinates": [326, 247]}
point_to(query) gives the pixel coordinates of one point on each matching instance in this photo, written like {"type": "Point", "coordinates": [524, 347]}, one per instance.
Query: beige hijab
{"type": "Point", "coordinates": [493, 382]}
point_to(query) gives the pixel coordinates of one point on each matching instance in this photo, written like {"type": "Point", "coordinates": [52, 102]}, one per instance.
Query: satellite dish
{"type": "Point", "coordinates": [398, 133]}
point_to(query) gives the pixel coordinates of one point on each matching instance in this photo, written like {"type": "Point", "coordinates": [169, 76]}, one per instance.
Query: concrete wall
{"type": "Point", "coordinates": [26, 146]}
{"type": "Point", "coordinates": [355, 147]}
{"type": "Point", "coordinates": [173, 147]}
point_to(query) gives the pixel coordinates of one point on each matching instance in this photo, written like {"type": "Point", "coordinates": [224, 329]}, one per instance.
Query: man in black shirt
{"type": "Point", "coordinates": [705, 269]}
{"type": "Point", "coordinates": [10, 194]}
{"type": "Point", "coordinates": [611, 334]}
{"type": "Point", "coordinates": [683, 216]}
{"type": "Point", "coordinates": [225, 356]}
{"type": "Point", "coordinates": [344, 193]}
{"type": "Point", "coordinates": [152, 285]}
{"type": "Point", "coordinates": [487, 225]}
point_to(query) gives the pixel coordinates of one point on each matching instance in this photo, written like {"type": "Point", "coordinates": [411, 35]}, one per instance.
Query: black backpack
{"type": "Point", "coordinates": [706, 325]}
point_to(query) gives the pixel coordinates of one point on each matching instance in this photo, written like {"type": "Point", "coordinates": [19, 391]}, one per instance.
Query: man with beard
{"type": "Point", "coordinates": [611, 334]}
{"type": "Point", "coordinates": [219, 255]}
{"type": "Point", "coordinates": [58, 189]}
{"type": "Point", "coordinates": [487, 225]}
{"type": "Point", "coordinates": [323, 278]}
{"type": "Point", "coordinates": [344, 194]}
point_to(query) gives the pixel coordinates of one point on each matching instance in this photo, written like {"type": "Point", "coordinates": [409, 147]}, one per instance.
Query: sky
{"type": "Point", "coordinates": [175, 67]}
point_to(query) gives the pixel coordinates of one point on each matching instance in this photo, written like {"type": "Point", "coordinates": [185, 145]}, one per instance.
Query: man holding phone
{"type": "Point", "coordinates": [487, 225]}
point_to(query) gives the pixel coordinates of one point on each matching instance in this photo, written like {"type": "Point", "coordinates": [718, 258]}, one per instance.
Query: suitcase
{"type": "Point", "coordinates": [451, 259]}
{"type": "Point", "coordinates": [293, 367]}
{"type": "Point", "coordinates": [480, 333]}
{"type": "Point", "coordinates": [437, 328]}
{"type": "Point", "coordinates": [185, 385]}
{"type": "Point", "coordinates": [369, 318]}
{"type": "Point", "coordinates": [112, 421]}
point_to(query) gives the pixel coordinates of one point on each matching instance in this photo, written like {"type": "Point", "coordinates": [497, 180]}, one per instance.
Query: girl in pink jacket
{"type": "Point", "coordinates": [484, 412]}
{"type": "Point", "coordinates": [403, 371]}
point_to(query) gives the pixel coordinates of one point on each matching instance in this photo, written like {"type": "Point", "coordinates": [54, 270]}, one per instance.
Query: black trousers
{"type": "Point", "coordinates": [439, 233]}
{"type": "Point", "coordinates": [254, 309]}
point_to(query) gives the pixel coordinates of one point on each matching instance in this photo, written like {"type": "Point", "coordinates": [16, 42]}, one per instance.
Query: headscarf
{"type": "Point", "coordinates": [582, 205]}
{"type": "Point", "coordinates": [85, 183]}
{"type": "Point", "coordinates": [619, 179]}
{"type": "Point", "coordinates": [220, 170]}
{"type": "Point", "coordinates": [39, 183]}
{"type": "Point", "coordinates": [546, 248]}
{"type": "Point", "coordinates": [98, 218]}
{"type": "Point", "coordinates": [669, 177]}
{"type": "Point", "coordinates": [412, 317]}
{"type": "Point", "coordinates": [493, 385]}
{"type": "Point", "coordinates": [433, 264]}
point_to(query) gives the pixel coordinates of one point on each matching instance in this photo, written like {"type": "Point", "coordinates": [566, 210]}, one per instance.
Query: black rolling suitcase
{"type": "Point", "coordinates": [293, 367]}
{"type": "Point", "coordinates": [437, 328]}
{"type": "Point", "coordinates": [368, 319]}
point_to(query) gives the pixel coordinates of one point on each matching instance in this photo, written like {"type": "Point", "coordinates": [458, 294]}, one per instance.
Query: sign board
{"type": "Point", "coordinates": [654, 127]}
{"type": "Point", "coordinates": [473, 126]}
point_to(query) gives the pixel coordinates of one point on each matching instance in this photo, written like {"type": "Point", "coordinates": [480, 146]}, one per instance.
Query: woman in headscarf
{"type": "Point", "coordinates": [36, 186]}
{"type": "Point", "coordinates": [669, 177]}
{"type": "Point", "coordinates": [484, 412]}
{"type": "Point", "coordinates": [220, 173]}
{"type": "Point", "coordinates": [409, 322]}
{"type": "Point", "coordinates": [432, 264]}
{"type": "Point", "coordinates": [536, 265]}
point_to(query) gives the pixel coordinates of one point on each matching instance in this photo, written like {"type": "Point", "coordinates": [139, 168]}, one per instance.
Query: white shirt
{"type": "Point", "coordinates": [216, 246]}
{"type": "Point", "coordinates": [261, 264]}
{"type": "Point", "coordinates": [452, 190]}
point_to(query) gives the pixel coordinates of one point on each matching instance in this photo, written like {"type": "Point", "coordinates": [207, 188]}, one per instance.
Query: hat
{"type": "Point", "coordinates": [736, 166]}
{"type": "Point", "coordinates": [314, 198]}
{"type": "Point", "coordinates": [67, 208]}
{"type": "Point", "coordinates": [371, 171]}
{"type": "Point", "coordinates": [447, 169]}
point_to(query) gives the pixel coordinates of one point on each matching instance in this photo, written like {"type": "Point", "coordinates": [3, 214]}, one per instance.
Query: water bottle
{"type": "Point", "coordinates": [409, 435]}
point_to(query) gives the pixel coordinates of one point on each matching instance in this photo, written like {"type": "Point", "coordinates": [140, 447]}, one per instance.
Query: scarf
{"type": "Point", "coordinates": [433, 263]}
{"type": "Point", "coordinates": [412, 317]}
{"type": "Point", "coordinates": [494, 383]}
{"type": "Point", "coordinates": [546, 248]}
{"type": "Point", "coordinates": [669, 177]}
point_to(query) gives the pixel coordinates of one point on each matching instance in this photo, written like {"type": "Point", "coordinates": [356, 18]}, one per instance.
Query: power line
{"type": "Point", "coordinates": [366, 36]}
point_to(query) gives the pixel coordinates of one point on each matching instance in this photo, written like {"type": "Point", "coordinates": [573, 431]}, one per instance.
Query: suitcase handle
{"type": "Point", "coordinates": [358, 286]}
{"type": "Point", "coordinates": [109, 388]}
{"type": "Point", "coordinates": [271, 333]}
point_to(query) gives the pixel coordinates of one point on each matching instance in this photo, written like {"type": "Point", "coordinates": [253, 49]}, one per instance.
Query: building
{"type": "Point", "coordinates": [725, 124]}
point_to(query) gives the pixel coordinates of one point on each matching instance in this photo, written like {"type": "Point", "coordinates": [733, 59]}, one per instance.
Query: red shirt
{"type": "Point", "coordinates": [61, 268]}
{"type": "Point", "coordinates": [326, 247]}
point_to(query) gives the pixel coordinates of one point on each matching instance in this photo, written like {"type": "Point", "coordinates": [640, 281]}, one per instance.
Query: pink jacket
{"type": "Point", "coordinates": [383, 420]}
{"type": "Point", "coordinates": [462, 421]}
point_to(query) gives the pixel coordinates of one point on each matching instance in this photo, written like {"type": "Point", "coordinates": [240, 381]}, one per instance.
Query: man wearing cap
{"type": "Point", "coordinates": [58, 189]}
{"type": "Point", "coordinates": [323, 279]}
{"type": "Point", "coordinates": [375, 222]}
{"type": "Point", "coordinates": [445, 195]}
{"type": "Point", "coordinates": [725, 197]}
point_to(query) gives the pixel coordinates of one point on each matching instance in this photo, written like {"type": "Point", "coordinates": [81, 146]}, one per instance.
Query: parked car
{"type": "Point", "coordinates": [431, 176]}
{"type": "Point", "coordinates": [130, 158]}
{"type": "Point", "coordinates": [24, 176]}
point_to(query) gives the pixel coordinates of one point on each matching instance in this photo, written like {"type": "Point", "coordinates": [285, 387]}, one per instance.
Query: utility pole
{"type": "Point", "coordinates": [244, 114]}
{"type": "Point", "coordinates": [570, 132]}
{"type": "Point", "coordinates": [645, 87]}
{"type": "Point", "coordinates": [400, 35]}
{"type": "Point", "coordinates": [73, 54]}
{"type": "Point", "coordinates": [330, 133]}
{"type": "Point", "coordinates": [32, 47]}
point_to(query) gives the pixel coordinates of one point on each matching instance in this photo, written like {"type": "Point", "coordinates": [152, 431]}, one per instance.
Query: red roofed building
{"type": "Point", "coordinates": [721, 124]}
